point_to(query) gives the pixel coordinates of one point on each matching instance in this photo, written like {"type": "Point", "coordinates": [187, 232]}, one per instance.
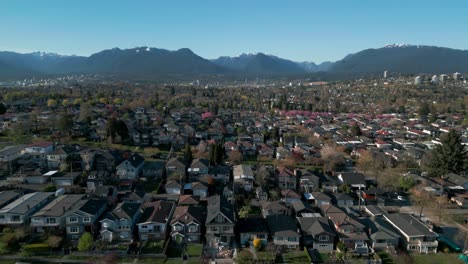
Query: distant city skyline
{"type": "Point", "coordinates": [300, 31]}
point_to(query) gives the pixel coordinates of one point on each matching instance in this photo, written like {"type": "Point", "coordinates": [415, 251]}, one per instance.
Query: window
{"type": "Point", "coordinates": [323, 238]}
{"type": "Point", "coordinates": [292, 239]}
{"type": "Point", "coordinates": [279, 238]}
{"type": "Point", "coordinates": [144, 226]}
{"type": "Point", "coordinates": [15, 218]}
{"type": "Point", "coordinates": [177, 228]}
{"type": "Point", "coordinates": [226, 228]}
{"type": "Point", "coordinates": [74, 229]}
{"type": "Point", "coordinates": [220, 218]}
{"type": "Point", "coordinates": [87, 219]}
{"type": "Point", "coordinates": [73, 219]}
{"type": "Point", "coordinates": [50, 220]}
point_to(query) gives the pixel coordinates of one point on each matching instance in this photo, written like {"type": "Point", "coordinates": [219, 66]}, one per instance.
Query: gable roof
{"type": "Point", "coordinates": [158, 212]}
{"type": "Point", "coordinates": [124, 210]}
{"type": "Point", "coordinates": [315, 225]}
{"type": "Point", "coordinates": [188, 214]}
{"type": "Point", "coordinates": [351, 178]}
{"type": "Point", "coordinates": [136, 160]}
{"type": "Point", "coordinates": [60, 205]}
{"type": "Point", "coordinates": [252, 225]}
{"type": "Point", "coordinates": [187, 199]}
{"type": "Point", "coordinates": [218, 204]}
{"type": "Point", "coordinates": [26, 203]}
{"type": "Point", "coordinates": [408, 225]}
{"type": "Point", "coordinates": [282, 225]}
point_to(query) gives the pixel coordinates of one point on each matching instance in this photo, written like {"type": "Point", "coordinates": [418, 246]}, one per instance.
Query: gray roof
{"type": "Point", "coordinates": [8, 196]}
{"type": "Point", "coordinates": [25, 203]}
{"type": "Point", "coordinates": [158, 212]}
{"type": "Point", "coordinates": [315, 225]}
{"type": "Point", "coordinates": [60, 205]}
{"type": "Point", "coordinates": [125, 210]}
{"type": "Point", "coordinates": [409, 225]}
{"type": "Point", "coordinates": [7, 151]}
{"type": "Point", "coordinates": [218, 204]}
{"type": "Point", "coordinates": [374, 210]}
{"type": "Point", "coordinates": [282, 225]}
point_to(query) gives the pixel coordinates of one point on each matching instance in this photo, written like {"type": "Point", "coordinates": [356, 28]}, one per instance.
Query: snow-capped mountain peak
{"type": "Point", "coordinates": [396, 45]}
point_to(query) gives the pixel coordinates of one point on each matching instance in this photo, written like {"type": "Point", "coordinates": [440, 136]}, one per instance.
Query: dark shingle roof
{"type": "Point", "coordinates": [218, 204]}
{"type": "Point", "coordinates": [158, 211]}
{"type": "Point", "coordinates": [252, 225]}
{"type": "Point", "coordinates": [281, 225]}
{"type": "Point", "coordinates": [315, 225]}
{"type": "Point", "coordinates": [409, 225]}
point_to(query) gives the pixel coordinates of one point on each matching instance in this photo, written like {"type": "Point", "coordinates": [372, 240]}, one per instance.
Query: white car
{"type": "Point", "coordinates": [401, 198]}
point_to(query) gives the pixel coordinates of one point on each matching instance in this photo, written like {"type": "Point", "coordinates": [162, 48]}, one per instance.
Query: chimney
{"type": "Point", "coordinates": [63, 209]}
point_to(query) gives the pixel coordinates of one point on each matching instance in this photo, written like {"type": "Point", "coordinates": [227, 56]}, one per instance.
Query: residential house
{"type": "Point", "coordinates": [354, 179]}
{"type": "Point", "coordinates": [68, 179]}
{"type": "Point", "coordinates": [198, 167]}
{"type": "Point", "coordinates": [38, 151]}
{"type": "Point", "coordinates": [317, 232]}
{"type": "Point", "coordinates": [252, 228]}
{"type": "Point", "coordinates": [320, 198]}
{"type": "Point", "coordinates": [20, 210]}
{"type": "Point", "coordinates": [131, 168]}
{"type": "Point", "coordinates": [97, 179]}
{"type": "Point", "coordinates": [382, 234]}
{"type": "Point", "coordinates": [220, 221]}
{"type": "Point", "coordinates": [415, 235]}
{"type": "Point", "coordinates": [188, 200]}
{"type": "Point", "coordinates": [283, 230]}
{"type": "Point", "coordinates": [274, 208]}
{"type": "Point", "coordinates": [220, 173]}
{"type": "Point", "coordinates": [286, 179]}
{"type": "Point", "coordinates": [350, 231]}
{"type": "Point", "coordinates": [155, 219]}
{"type": "Point", "coordinates": [187, 224]}
{"type": "Point", "coordinates": [308, 182]}
{"type": "Point", "coordinates": [175, 166]}
{"type": "Point", "coordinates": [7, 197]}
{"type": "Point", "coordinates": [153, 169]}
{"type": "Point", "coordinates": [243, 177]}
{"type": "Point", "coordinates": [342, 199]}
{"type": "Point", "coordinates": [58, 157]}
{"type": "Point", "coordinates": [119, 224]}
{"type": "Point", "coordinates": [302, 209]}
{"type": "Point", "coordinates": [173, 187]}
{"type": "Point", "coordinates": [83, 217]}
{"type": "Point", "coordinates": [52, 216]}
{"type": "Point", "coordinates": [290, 196]}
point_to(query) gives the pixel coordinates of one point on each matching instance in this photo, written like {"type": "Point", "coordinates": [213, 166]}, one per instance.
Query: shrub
{"type": "Point", "coordinates": [86, 242]}
{"type": "Point", "coordinates": [257, 243]}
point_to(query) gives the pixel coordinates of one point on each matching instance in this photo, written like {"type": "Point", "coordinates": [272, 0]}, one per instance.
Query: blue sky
{"type": "Point", "coordinates": [299, 30]}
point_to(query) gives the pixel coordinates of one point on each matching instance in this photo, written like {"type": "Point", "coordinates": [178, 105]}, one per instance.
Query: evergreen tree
{"type": "Point", "coordinates": [356, 130]}
{"type": "Point", "coordinates": [2, 109]}
{"type": "Point", "coordinates": [450, 156]}
{"type": "Point", "coordinates": [188, 154]}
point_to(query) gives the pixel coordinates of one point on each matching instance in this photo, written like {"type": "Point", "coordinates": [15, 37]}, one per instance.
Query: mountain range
{"type": "Point", "coordinates": [146, 62]}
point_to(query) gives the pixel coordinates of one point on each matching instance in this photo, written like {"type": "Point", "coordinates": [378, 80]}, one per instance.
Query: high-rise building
{"type": "Point", "coordinates": [456, 76]}
{"type": "Point", "coordinates": [385, 74]}
{"type": "Point", "coordinates": [417, 80]}
{"type": "Point", "coordinates": [435, 79]}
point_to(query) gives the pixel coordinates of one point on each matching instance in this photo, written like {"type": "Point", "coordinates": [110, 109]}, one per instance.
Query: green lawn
{"type": "Point", "coordinates": [266, 256]}
{"type": "Point", "coordinates": [194, 250]}
{"type": "Point", "coordinates": [385, 257]}
{"type": "Point", "coordinates": [153, 247]}
{"type": "Point", "coordinates": [322, 257]}
{"type": "Point", "coordinates": [439, 258]}
{"type": "Point", "coordinates": [295, 257]}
